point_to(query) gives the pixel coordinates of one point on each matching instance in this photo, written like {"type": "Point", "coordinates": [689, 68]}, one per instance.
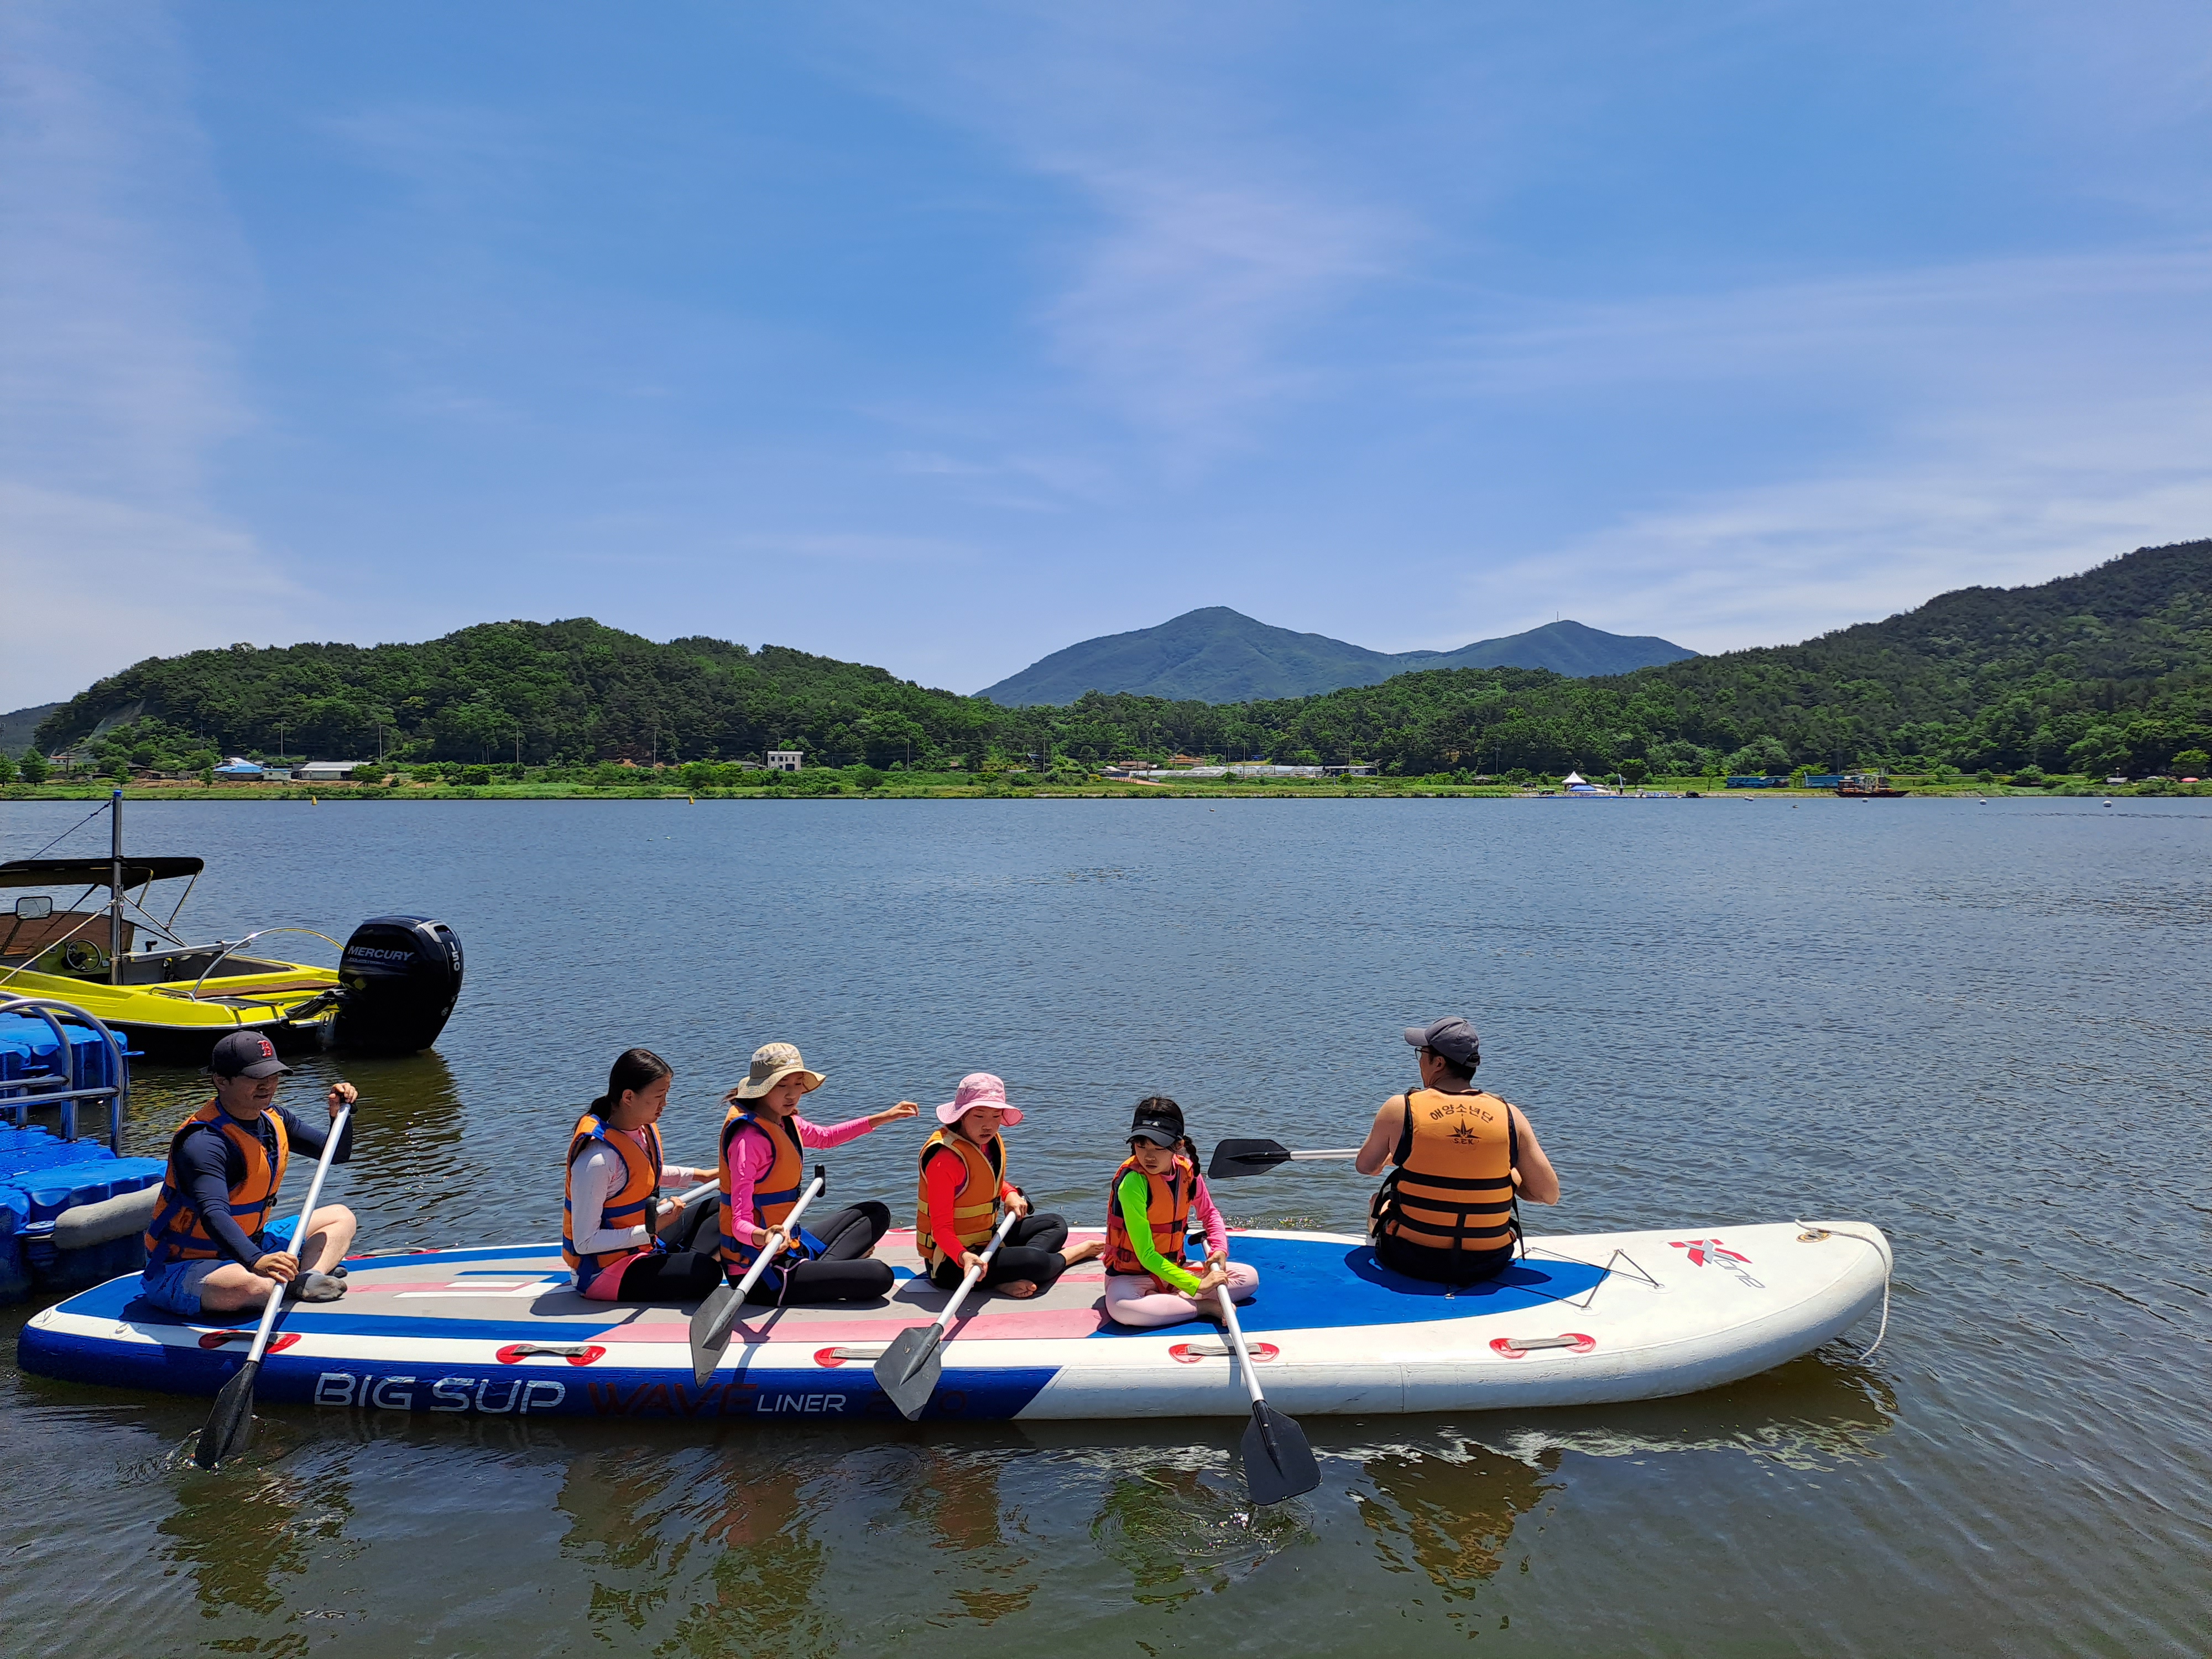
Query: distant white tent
{"type": "Point", "coordinates": [1574, 777]}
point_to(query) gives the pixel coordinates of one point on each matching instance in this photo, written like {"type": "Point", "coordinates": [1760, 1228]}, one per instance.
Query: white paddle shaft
{"type": "Point", "coordinates": [306, 1214]}
{"type": "Point", "coordinates": [974, 1275]}
{"type": "Point", "coordinates": [1237, 1340]}
{"type": "Point", "coordinates": [785, 1230]}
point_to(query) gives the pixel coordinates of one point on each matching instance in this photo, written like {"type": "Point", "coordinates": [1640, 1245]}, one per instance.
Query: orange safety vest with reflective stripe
{"type": "Point", "coordinates": [1167, 1208]}
{"type": "Point", "coordinates": [773, 1194]}
{"type": "Point", "coordinates": [1453, 1188]}
{"type": "Point", "coordinates": [975, 1207]}
{"type": "Point", "coordinates": [631, 1205]}
{"type": "Point", "coordinates": [177, 1232]}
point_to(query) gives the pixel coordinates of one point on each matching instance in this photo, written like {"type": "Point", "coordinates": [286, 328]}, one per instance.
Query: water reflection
{"type": "Point", "coordinates": [238, 1530]}
{"type": "Point", "coordinates": [749, 1510]}
{"type": "Point", "coordinates": [1453, 1511]}
{"type": "Point", "coordinates": [958, 1490]}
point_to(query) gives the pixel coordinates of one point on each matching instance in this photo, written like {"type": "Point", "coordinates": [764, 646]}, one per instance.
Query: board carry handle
{"type": "Point", "coordinates": [1514, 1346]}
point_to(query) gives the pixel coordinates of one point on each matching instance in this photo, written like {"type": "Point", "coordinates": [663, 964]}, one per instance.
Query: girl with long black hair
{"type": "Point", "coordinates": [611, 1211]}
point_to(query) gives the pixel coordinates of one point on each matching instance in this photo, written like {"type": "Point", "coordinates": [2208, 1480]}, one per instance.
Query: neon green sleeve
{"type": "Point", "coordinates": [1134, 1196]}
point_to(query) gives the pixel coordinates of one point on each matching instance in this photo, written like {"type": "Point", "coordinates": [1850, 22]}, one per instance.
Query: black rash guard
{"type": "Point", "coordinates": [208, 1166]}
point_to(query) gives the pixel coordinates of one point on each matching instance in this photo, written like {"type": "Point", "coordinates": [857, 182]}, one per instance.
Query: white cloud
{"type": "Point", "coordinates": [94, 583]}
{"type": "Point", "coordinates": [1997, 422]}
{"type": "Point", "coordinates": [1216, 233]}
{"type": "Point", "coordinates": [124, 287]}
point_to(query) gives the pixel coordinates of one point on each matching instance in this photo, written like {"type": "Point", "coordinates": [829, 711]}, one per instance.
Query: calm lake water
{"type": "Point", "coordinates": [1983, 1028]}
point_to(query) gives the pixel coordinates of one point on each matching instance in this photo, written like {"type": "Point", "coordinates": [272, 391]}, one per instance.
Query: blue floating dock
{"type": "Point", "coordinates": [41, 1174]}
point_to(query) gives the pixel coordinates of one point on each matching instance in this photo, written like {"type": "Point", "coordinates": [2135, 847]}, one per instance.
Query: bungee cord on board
{"type": "Point", "coordinates": [1889, 1266]}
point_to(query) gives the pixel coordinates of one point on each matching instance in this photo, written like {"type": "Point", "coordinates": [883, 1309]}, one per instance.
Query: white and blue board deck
{"type": "Point", "coordinates": [1581, 1320]}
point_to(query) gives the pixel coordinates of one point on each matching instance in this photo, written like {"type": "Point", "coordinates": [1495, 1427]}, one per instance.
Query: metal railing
{"type": "Point", "coordinates": [222, 955]}
{"type": "Point", "coordinates": [28, 1092]}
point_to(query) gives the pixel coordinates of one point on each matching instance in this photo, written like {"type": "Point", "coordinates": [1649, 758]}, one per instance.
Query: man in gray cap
{"type": "Point", "coordinates": [207, 1249]}
{"type": "Point", "coordinates": [1448, 1211]}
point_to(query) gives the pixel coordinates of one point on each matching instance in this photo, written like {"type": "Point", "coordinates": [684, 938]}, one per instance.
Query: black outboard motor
{"type": "Point", "coordinates": [402, 975]}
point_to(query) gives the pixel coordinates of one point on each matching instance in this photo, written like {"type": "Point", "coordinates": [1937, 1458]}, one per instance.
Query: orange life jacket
{"type": "Point", "coordinates": [975, 1207]}
{"type": "Point", "coordinates": [1167, 1210]}
{"type": "Point", "coordinates": [177, 1232]}
{"type": "Point", "coordinates": [1453, 1188]}
{"type": "Point", "coordinates": [773, 1194]}
{"type": "Point", "coordinates": [631, 1204]}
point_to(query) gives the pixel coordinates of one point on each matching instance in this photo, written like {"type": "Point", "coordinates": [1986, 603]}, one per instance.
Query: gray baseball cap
{"type": "Point", "coordinates": [1450, 1036]}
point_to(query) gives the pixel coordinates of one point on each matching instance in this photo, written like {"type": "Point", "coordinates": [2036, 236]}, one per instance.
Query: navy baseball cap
{"type": "Point", "coordinates": [246, 1054]}
{"type": "Point", "coordinates": [1450, 1036]}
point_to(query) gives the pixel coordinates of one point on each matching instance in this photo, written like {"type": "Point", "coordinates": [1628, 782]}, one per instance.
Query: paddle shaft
{"type": "Point", "coordinates": [306, 1214]}
{"type": "Point", "coordinates": [231, 1419]}
{"type": "Point", "coordinates": [1235, 1158]}
{"type": "Point", "coordinates": [684, 1198]}
{"type": "Point", "coordinates": [973, 1276]}
{"type": "Point", "coordinates": [1278, 1463]}
{"type": "Point", "coordinates": [908, 1371]}
{"type": "Point", "coordinates": [710, 1325]}
{"type": "Point", "coordinates": [786, 1230]}
{"type": "Point", "coordinates": [1236, 1341]}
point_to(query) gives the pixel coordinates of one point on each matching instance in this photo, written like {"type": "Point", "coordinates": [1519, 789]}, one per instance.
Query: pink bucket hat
{"type": "Point", "coordinates": [978, 1088]}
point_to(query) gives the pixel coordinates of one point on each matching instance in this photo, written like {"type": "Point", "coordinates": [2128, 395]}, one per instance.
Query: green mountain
{"type": "Point", "coordinates": [16, 728]}
{"type": "Point", "coordinates": [1566, 648]}
{"type": "Point", "coordinates": [2111, 669]}
{"type": "Point", "coordinates": [1220, 655]}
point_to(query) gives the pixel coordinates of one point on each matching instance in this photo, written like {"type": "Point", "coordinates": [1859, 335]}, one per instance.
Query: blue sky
{"type": "Point", "coordinates": [941, 336]}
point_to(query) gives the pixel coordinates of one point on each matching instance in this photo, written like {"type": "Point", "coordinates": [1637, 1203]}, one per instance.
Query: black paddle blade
{"type": "Point", "coordinates": [710, 1330]}
{"type": "Point", "coordinates": [230, 1424]}
{"type": "Point", "coordinates": [1232, 1158]}
{"type": "Point", "coordinates": [909, 1369]}
{"type": "Point", "coordinates": [1278, 1463]}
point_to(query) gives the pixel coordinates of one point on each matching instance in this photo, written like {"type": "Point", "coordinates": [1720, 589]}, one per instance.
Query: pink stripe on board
{"type": "Point", "coordinates": [358, 1288]}
{"type": "Point", "coordinates": [1030, 1324]}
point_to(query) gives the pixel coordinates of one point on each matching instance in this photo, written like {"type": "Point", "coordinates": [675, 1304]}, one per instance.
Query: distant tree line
{"type": "Point", "coordinates": [2109, 670]}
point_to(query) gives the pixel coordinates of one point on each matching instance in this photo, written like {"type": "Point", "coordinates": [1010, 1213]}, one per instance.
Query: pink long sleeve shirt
{"type": "Point", "coordinates": [752, 1157]}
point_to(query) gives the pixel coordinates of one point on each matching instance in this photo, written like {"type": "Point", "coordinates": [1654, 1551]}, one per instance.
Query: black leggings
{"type": "Point", "coordinates": [682, 1276]}
{"type": "Point", "coordinates": [842, 1272]}
{"type": "Point", "coordinates": [1031, 1251]}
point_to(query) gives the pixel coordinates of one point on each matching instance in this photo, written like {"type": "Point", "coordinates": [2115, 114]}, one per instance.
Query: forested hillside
{"type": "Point", "coordinates": [2109, 670]}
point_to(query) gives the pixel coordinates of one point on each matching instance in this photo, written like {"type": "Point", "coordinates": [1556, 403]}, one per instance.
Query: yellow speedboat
{"type": "Point", "coordinates": [392, 991]}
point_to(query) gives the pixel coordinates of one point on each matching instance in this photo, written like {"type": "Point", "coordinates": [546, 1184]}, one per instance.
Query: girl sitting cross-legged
{"type": "Point", "coordinates": [1149, 1281]}
{"type": "Point", "coordinates": [965, 1191]}
{"type": "Point", "coordinates": [764, 1172]}
{"type": "Point", "coordinates": [611, 1211]}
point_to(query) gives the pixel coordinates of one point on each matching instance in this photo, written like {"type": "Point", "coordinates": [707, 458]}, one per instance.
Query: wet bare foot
{"type": "Point", "coordinates": [1086, 1252]}
{"type": "Point", "coordinates": [1020, 1288]}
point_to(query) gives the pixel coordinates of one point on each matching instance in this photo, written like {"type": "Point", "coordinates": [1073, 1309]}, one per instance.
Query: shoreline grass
{"type": "Point", "coordinates": [893, 788]}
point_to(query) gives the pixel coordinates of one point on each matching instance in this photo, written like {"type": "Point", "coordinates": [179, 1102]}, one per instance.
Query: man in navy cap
{"type": "Point", "coordinates": [206, 1249]}
{"type": "Point", "coordinates": [1448, 1211]}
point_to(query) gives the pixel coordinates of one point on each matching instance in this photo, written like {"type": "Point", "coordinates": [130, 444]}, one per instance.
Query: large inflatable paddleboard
{"type": "Point", "coordinates": [502, 1331]}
